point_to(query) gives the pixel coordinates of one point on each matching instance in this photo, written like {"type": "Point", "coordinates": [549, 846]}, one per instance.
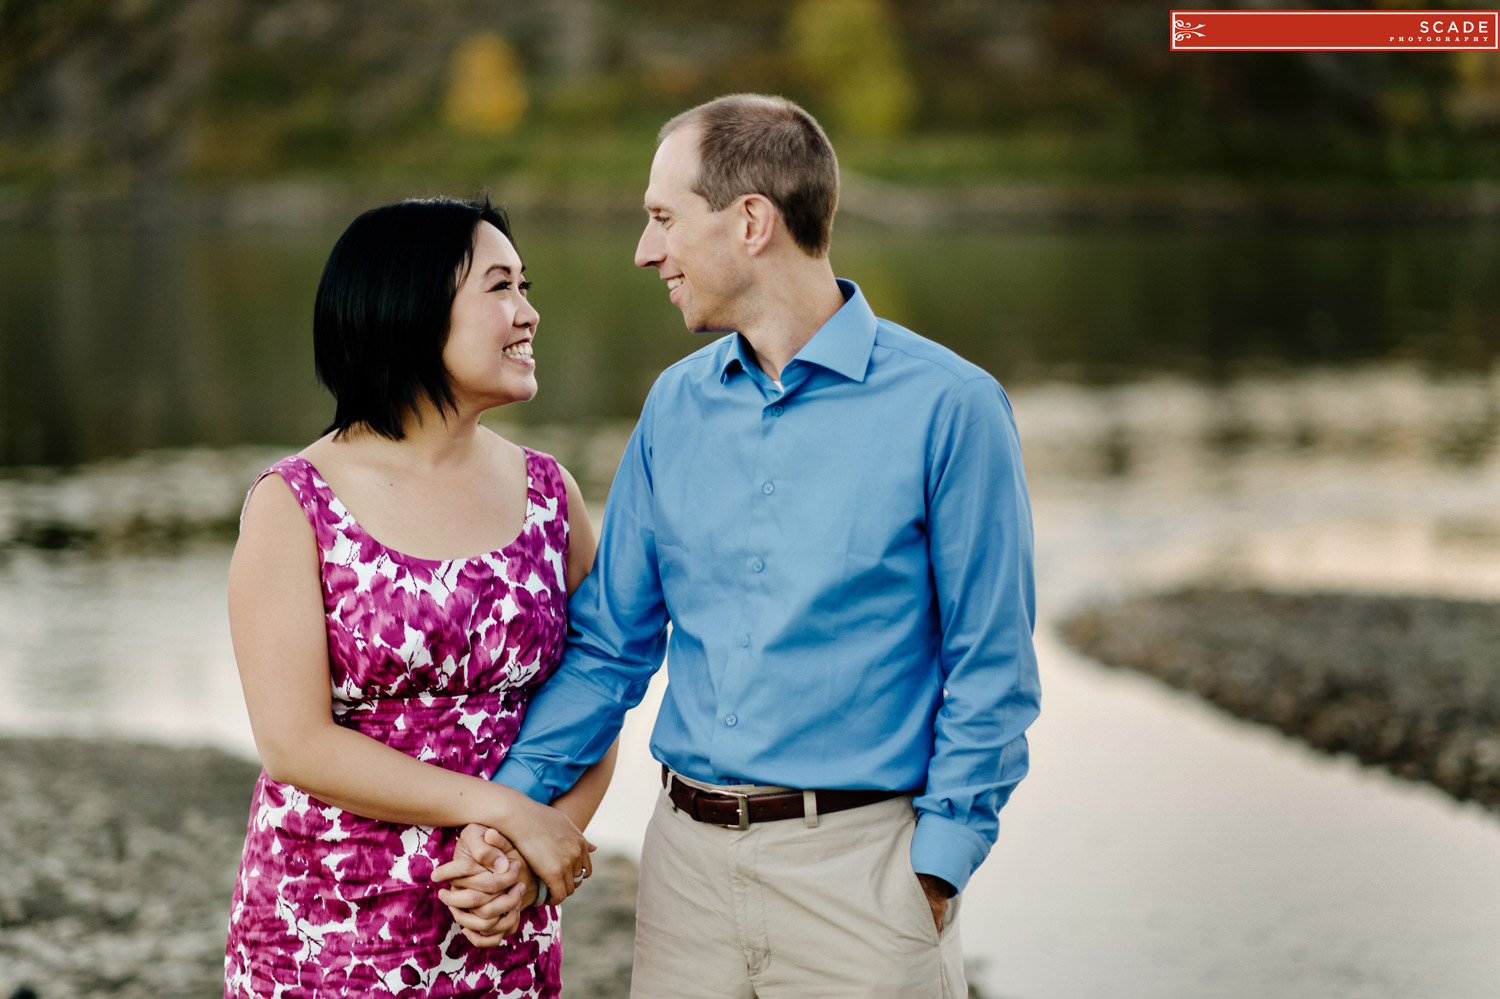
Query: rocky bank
{"type": "Point", "coordinates": [1411, 684]}
{"type": "Point", "coordinates": [117, 862]}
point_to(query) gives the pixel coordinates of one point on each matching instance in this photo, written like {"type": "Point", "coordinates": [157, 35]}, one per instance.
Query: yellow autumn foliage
{"type": "Point", "coordinates": [849, 51]}
{"type": "Point", "coordinates": [486, 86]}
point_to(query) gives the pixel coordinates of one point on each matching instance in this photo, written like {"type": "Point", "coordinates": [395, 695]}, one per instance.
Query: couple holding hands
{"type": "Point", "coordinates": [829, 510]}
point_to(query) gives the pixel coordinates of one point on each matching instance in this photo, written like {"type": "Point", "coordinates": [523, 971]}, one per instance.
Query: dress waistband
{"type": "Point", "coordinates": [379, 707]}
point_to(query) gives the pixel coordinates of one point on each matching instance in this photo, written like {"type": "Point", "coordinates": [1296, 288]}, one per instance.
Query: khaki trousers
{"type": "Point", "coordinates": [786, 911]}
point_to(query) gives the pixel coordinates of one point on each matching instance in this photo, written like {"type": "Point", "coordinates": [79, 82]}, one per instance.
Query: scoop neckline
{"type": "Point", "coordinates": [405, 557]}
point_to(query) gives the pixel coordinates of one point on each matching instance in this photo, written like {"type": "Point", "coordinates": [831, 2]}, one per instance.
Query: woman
{"type": "Point", "coordinates": [386, 665]}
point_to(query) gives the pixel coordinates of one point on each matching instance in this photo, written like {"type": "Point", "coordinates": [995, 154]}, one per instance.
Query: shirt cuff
{"type": "Point", "coordinates": [514, 774]}
{"type": "Point", "coordinates": [946, 849]}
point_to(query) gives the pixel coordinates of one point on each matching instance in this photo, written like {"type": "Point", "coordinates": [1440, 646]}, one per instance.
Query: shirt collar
{"type": "Point", "coordinates": [842, 345]}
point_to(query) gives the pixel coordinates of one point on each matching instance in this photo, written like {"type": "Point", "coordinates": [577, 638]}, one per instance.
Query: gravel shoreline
{"type": "Point", "coordinates": [117, 862]}
{"type": "Point", "coordinates": [1411, 684]}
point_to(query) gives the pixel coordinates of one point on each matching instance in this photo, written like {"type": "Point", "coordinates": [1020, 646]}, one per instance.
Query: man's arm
{"type": "Point", "coordinates": [617, 623]}
{"type": "Point", "coordinates": [980, 547]}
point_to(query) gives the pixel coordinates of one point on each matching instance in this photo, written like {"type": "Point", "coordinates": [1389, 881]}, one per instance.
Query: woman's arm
{"type": "Point", "coordinates": [277, 623]}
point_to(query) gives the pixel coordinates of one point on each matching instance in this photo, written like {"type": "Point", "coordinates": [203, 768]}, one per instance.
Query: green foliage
{"type": "Point", "coordinates": [252, 78]}
{"type": "Point", "coordinates": [110, 92]}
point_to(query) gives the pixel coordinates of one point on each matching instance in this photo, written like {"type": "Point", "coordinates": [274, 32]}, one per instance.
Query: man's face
{"type": "Point", "coordinates": [691, 246]}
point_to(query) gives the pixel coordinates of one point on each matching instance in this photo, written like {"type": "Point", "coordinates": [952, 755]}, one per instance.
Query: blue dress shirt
{"type": "Point", "coordinates": [846, 563]}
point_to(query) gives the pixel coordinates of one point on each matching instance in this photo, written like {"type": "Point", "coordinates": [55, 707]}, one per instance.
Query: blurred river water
{"type": "Point", "coordinates": [1303, 409]}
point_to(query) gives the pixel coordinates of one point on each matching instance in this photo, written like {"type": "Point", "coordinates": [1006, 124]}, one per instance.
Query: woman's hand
{"type": "Point", "coordinates": [551, 845]}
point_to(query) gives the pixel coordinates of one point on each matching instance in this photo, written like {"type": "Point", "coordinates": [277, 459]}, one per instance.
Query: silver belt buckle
{"type": "Point", "coordinates": [742, 805]}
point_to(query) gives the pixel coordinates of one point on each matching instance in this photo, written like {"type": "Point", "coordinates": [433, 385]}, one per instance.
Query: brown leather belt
{"type": "Point", "coordinates": [737, 811]}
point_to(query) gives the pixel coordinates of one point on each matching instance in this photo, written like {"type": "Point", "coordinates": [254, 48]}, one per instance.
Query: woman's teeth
{"type": "Point", "coordinates": [518, 351]}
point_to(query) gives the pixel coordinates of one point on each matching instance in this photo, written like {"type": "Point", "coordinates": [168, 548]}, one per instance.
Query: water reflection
{"type": "Point", "coordinates": [117, 341]}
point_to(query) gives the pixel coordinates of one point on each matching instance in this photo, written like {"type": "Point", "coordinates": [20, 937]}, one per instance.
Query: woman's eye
{"type": "Point", "coordinates": [502, 286]}
{"type": "Point", "coordinates": [525, 285]}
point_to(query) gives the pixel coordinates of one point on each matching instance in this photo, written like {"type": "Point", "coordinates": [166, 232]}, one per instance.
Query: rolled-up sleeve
{"type": "Point", "coordinates": [980, 548]}
{"type": "Point", "coordinates": [617, 636]}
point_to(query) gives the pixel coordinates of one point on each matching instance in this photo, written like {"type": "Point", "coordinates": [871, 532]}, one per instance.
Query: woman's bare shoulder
{"type": "Point", "coordinates": [326, 451]}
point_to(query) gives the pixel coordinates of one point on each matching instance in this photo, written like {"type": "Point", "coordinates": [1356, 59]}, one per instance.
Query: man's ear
{"type": "Point", "coordinates": [758, 220]}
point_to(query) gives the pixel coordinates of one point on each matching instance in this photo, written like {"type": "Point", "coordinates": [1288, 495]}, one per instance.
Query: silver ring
{"type": "Point", "coordinates": [578, 878]}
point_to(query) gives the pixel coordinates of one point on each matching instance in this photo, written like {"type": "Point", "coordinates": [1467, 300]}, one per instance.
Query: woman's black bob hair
{"type": "Point", "coordinates": [381, 317]}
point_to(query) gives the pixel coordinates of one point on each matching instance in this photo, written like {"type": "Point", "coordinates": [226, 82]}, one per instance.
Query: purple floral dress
{"type": "Point", "coordinates": [437, 659]}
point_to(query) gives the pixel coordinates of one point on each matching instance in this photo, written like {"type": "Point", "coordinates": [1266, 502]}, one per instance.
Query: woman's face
{"type": "Point", "coordinates": [488, 353]}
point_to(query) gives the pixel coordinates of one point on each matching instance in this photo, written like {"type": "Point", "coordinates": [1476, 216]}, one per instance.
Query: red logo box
{"type": "Point", "coordinates": [1335, 30]}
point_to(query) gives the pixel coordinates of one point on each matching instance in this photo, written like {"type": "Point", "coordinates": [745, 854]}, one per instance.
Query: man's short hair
{"type": "Point", "coordinates": [384, 304]}
{"type": "Point", "coordinates": [760, 144]}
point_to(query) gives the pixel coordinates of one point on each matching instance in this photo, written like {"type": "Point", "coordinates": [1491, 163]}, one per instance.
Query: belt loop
{"type": "Point", "coordinates": [810, 808]}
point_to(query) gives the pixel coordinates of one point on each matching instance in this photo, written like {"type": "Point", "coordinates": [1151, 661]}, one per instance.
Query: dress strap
{"type": "Point", "coordinates": [547, 496]}
{"type": "Point", "coordinates": [311, 492]}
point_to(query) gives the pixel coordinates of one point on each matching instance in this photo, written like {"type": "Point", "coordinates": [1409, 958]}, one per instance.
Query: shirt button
{"type": "Point", "coordinates": [777, 410]}
{"type": "Point", "coordinates": [757, 565]}
{"type": "Point", "coordinates": [768, 489]}
{"type": "Point", "coordinates": [744, 641]}
{"type": "Point", "coordinates": [731, 721]}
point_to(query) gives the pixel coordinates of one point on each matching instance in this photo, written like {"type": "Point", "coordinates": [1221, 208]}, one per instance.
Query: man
{"type": "Point", "coordinates": [831, 512]}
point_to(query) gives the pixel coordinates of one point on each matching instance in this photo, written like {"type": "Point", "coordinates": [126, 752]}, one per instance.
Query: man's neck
{"type": "Point", "coordinates": [792, 309]}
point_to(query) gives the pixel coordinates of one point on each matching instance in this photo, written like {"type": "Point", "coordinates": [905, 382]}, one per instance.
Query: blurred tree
{"type": "Point", "coordinates": [126, 94]}
{"type": "Point", "coordinates": [486, 89]}
{"type": "Point", "coordinates": [849, 53]}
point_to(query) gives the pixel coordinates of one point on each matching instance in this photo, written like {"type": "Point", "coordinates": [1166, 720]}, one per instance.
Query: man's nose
{"type": "Point", "coordinates": [648, 249]}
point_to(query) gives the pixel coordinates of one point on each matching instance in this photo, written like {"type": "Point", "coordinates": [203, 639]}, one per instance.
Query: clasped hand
{"type": "Point", "coordinates": [492, 877]}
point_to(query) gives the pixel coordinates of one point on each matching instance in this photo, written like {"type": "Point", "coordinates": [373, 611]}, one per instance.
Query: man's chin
{"type": "Point", "coordinates": [697, 322]}
{"type": "Point", "coordinates": [706, 326]}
